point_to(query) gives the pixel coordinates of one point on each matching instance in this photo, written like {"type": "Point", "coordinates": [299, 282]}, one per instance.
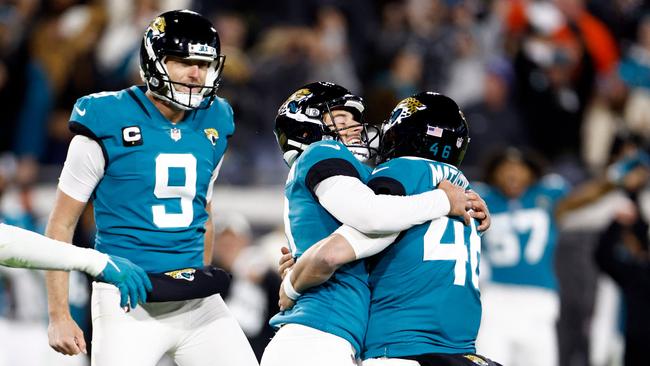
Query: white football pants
{"type": "Point", "coordinates": [518, 327]}
{"type": "Point", "coordinates": [298, 345]}
{"type": "Point", "coordinates": [194, 332]}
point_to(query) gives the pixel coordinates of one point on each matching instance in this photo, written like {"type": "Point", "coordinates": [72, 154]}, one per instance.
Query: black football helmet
{"type": "Point", "coordinates": [188, 35]}
{"type": "Point", "coordinates": [427, 125]}
{"type": "Point", "coordinates": [299, 121]}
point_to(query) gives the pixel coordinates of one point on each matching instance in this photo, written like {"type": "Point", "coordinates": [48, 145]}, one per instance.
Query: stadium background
{"type": "Point", "coordinates": [567, 78]}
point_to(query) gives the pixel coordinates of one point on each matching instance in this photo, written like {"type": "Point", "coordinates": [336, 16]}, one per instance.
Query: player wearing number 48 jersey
{"type": "Point", "coordinates": [148, 157]}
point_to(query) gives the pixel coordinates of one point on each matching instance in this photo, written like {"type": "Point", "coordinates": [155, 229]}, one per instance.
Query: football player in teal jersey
{"type": "Point", "coordinates": [148, 156]}
{"type": "Point", "coordinates": [320, 131]}
{"type": "Point", "coordinates": [425, 306]}
{"type": "Point", "coordinates": [433, 319]}
{"type": "Point", "coordinates": [520, 290]}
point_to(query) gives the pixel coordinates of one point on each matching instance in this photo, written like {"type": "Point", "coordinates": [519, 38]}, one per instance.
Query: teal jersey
{"type": "Point", "coordinates": [520, 245]}
{"type": "Point", "coordinates": [150, 204]}
{"type": "Point", "coordinates": [425, 296]}
{"type": "Point", "coordinates": [340, 305]}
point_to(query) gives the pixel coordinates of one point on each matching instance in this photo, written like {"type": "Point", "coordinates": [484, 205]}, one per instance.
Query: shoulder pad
{"type": "Point", "coordinates": [322, 150]}
{"type": "Point", "coordinates": [221, 117]}
{"type": "Point", "coordinates": [88, 111]}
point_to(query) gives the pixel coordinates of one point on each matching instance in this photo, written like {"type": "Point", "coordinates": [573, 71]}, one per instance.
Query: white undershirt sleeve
{"type": "Point", "coordinates": [365, 245]}
{"type": "Point", "coordinates": [83, 168]}
{"type": "Point", "coordinates": [354, 204]}
{"type": "Point", "coordinates": [26, 249]}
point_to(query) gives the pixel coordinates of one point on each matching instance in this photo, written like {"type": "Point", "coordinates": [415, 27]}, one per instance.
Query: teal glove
{"type": "Point", "coordinates": [131, 280]}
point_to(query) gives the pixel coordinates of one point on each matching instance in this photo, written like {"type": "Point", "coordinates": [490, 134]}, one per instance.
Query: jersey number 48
{"type": "Point", "coordinates": [461, 250]}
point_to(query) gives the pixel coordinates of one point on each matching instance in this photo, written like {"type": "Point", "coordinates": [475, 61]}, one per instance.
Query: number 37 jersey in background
{"type": "Point", "coordinates": [150, 204]}
{"type": "Point", "coordinates": [520, 245]}
{"type": "Point", "coordinates": [425, 296]}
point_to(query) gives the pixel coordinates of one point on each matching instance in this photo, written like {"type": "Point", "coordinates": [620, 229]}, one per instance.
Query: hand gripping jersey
{"type": "Point", "coordinates": [425, 296]}
{"type": "Point", "coordinates": [520, 245]}
{"type": "Point", "coordinates": [340, 305]}
{"type": "Point", "coordinates": [150, 204]}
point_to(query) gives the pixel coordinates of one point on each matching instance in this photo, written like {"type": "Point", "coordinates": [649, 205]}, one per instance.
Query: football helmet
{"type": "Point", "coordinates": [300, 120]}
{"type": "Point", "coordinates": [190, 36]}
{"type": "Point", "coordinates": [427, 125]}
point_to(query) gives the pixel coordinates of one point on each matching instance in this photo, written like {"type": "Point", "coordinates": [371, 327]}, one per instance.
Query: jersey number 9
{"type": "Point", "coordinates": [185, 192]}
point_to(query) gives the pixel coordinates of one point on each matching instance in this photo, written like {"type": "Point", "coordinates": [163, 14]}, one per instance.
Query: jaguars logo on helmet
{"type": "Point", "coordinates": [158, 25]}
{"type": "Point", "coordinates": [405, 109]}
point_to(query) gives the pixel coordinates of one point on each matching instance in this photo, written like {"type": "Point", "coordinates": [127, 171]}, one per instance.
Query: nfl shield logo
{"type": "Point", "coordinates": [176, 134]}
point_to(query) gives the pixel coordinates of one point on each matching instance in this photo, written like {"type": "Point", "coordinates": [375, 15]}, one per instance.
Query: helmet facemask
{"type": "Point", "coordinates": [301, 121]}
{"type": "Point", "coordinates": [188, 36]}
{"type": "Point", "coordinates": [365, 149]}
{"type": "Point", "coordinates": [163, 87]}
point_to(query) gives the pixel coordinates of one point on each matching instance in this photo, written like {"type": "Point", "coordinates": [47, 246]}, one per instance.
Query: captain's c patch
{"type": "Point", "coordinates": [131, 136]}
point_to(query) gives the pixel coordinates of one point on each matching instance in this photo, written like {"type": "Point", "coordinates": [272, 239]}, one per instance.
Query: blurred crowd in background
{"type": "Point", "coordinates": [567, 80]}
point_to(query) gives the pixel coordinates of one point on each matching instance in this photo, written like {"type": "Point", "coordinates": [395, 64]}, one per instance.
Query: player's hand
{"type": "Point", "coordinates": [458, 201]}
{"type": "Point", "coordinates": [479, 210]}
{"type": "Point", "coordinates": [285, 303]}
{"type": "Point", "coordinates": [66, 337]}
{"type": "Point", "coordinates": [131, 280]}
{"type": "Point", "coordinates": [285, 263]}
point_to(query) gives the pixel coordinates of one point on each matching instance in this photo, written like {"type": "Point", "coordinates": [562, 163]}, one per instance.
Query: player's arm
{"type": "Point", "coordinates": [208, 244]}
{"type": "Point", "coordinates": [27, 249]}
{"type": "Point", "coordinates": [355, 204]}
{"type": "Point", "coordinates": [64, 334]}
{"type": "Point", "coordinates": [82, 170]}
{"type": "Point", "coordinates": [318, 263]}
{"type": "Point", "coordinates": [321, 260]}
{"type": "Point", "coordinates": [583, 195]}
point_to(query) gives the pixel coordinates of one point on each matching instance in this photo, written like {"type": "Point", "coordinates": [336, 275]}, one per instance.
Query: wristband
{"type": "Point", "coordinates": [288, 287]}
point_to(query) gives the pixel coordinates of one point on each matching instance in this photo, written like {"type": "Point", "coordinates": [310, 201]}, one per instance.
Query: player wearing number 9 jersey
{"type": "Point", "coordinates": [520, 289]}
{"type": "Point", "coordinates": [148, 157]}
{"type": "Point", "coordinates": [164, 172]}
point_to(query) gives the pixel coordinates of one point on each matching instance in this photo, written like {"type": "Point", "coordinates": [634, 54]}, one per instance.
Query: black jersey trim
{"type": "Point", "coordinates": [137, 100]}
{"type": "Point", "coordinates": [81, 129]}
{"type": "Point", "coordinates": [387, 185]}
{"type": "Point", "coordinates": [329, 168]}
